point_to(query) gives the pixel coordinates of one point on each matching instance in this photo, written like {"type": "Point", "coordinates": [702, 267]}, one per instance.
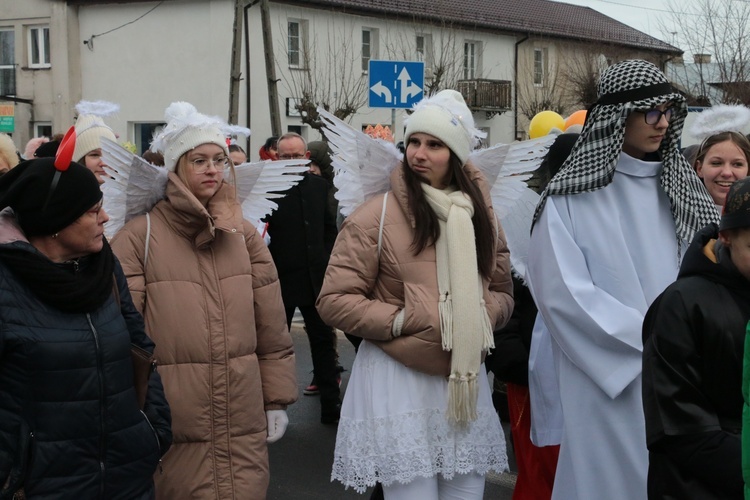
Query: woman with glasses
{"type": "Point", "coordinates": [209, 292]}
{"type": "Point", "coordinates": [71, 422]}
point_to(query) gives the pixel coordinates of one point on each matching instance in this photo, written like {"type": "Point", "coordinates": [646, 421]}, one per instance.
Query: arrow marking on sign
{"type": "Point", "coordinates": [382, 91]}
{"type": "Point", "coordinates": [408, 89]}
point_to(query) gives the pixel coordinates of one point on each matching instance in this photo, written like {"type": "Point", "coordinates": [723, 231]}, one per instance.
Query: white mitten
{"type": "Point", "coordinates": [277, 422]}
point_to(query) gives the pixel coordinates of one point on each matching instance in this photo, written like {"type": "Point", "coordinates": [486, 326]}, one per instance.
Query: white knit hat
{"type": "Point", "coordinates": [187, 129]}
{"type": "Point", "coordinates": [445, 116]}
{"type": "Point", "coordinates": [90, 126]}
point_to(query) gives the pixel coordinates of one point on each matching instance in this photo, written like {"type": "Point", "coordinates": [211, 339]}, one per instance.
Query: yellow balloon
{"type": "Point", "coordinates": [543, 122]}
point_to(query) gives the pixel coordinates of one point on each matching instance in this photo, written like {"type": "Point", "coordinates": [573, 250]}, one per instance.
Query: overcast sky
{"type": "Point", "coordinates": [643, 15]}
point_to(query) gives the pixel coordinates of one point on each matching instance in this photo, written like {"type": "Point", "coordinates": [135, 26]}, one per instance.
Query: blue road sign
{"type": "Point", "coordinates": [395, 84]}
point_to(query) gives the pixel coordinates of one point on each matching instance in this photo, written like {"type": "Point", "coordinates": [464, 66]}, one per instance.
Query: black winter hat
{"type": "Point", "coordinates": [736, 212]}
{"type": "Point", "coordinates": [26, 189]}
{"type": "Point", "coordinates": [320, 154]}
{"type": "Point", "coordinates": [46, 150]}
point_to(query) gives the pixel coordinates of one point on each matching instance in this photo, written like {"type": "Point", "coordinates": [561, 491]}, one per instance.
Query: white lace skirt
{"type": "Point", "coordinates": [393, 427]}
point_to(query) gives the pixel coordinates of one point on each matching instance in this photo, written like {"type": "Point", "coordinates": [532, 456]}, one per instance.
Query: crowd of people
{"type": "Point", "coordinates": [622, 347]}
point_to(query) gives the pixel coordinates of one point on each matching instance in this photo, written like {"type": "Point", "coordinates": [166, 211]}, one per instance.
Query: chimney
{"type": "Point", "coordinates": [702, 58]}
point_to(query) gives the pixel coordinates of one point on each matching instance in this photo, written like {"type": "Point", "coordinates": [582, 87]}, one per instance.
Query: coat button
{"type": "Point", "coordinates": [234, 230]}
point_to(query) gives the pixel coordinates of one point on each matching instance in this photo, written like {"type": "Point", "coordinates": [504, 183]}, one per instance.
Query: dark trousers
{"type": "Point", "coordinates": [323, 350]}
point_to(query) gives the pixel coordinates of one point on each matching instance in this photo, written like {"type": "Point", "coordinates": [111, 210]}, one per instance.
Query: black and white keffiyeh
{"type": "Point", "coordinates": [623, 88]}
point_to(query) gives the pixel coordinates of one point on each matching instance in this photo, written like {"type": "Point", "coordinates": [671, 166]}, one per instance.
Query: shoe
{"type": "Point", "coordinates": [314, 390]}
{"type": "Point", "coordinates": [331, 416]}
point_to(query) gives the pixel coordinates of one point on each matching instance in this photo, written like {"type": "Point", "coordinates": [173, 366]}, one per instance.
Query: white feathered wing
{"type": "Point", "coordinates": [259, 182]}
{"type": "Point", "coordinates": [134, 185]}
{"type": "Point", "coordinates": [362, 164]}
{"type": "Point", "coordinates": [507, 167]}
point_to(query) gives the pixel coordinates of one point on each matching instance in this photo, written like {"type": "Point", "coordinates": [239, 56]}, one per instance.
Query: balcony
{"type": "Point", "coordinates": [7, 81]}
{"type": "Point", "coordinates": [491, 96]}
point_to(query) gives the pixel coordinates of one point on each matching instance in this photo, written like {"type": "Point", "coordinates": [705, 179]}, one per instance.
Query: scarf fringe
{"type": "Point", "coordinates": [445, 308]}
{"type": "Point", "coordinates": [463, 391]}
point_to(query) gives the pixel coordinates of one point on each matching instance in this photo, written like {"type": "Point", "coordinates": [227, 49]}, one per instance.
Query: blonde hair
{"type": "Point", "coordinates": [8, 150]}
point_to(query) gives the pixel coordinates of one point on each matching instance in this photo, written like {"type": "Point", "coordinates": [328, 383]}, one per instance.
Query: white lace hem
{"type": "Point", "coordinates": [421, 443]}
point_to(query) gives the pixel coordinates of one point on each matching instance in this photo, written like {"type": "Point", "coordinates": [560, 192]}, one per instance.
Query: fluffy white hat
{"type": "Point", "coordinates": [90, 126]}
{"type": "Point", "coordinates": [187, 129]}
{"type": "Point", "coordinates": [721, 118]}
{"type": "Point", "coordinates": [446, 116]}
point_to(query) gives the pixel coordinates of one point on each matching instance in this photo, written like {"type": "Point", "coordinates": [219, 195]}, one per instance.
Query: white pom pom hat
{"type": "Point", "coordinates": [187, 129]}
{"type": "Point", "coordinates": [445, 116]}
{"type": "Point", "coordinates": [90, 126]}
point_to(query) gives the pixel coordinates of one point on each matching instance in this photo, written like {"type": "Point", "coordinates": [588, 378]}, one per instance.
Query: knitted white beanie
{"type": "Point", "coordinates": [90, 126]}
{"type": "Point", "coordinates": [445, 116]}
{"type": "Point", "coordinates": [187, 129]}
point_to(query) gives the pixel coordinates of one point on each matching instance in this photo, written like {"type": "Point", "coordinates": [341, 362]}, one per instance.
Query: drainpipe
{"type": "Point", "coordinates": [515, 92]}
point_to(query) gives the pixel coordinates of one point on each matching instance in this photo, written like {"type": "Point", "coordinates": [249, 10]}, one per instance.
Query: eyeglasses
{"type": "Point", "coordinates": [653, 115]}
{"type": "Point", "coordinates": [201, 165]}
{"type": "Point", "coordinates": [292, 157]}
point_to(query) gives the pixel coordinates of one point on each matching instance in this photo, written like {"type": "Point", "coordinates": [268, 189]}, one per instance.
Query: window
{"type": "Point", "coordinates": [43, 129]}
{"type": "Point", "coordinates": [471, 60]}
{"type": "Point", "coordinates": [144, 133]}
{"type": "Point", "coordinates": [296, 38]}
{"type": "Point", "coordinates": [539, 66]}
{"type": "Point", "coordinates": [39, 47]}
{"type": "Point", "coordinates": [424, 53]}
{"type": "Point", "coordinates": [369, 47]}
{"type": "Point", "coordinates": [7, 62]}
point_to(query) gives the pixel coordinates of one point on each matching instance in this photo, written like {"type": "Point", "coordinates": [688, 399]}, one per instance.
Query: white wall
{"type": "Point", "coordinates": [182, 51]}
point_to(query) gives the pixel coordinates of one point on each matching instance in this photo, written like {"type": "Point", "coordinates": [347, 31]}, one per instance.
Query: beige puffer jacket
{"type": "Point", "coordinates": [362, 293]}
{"type": "Point", "coordinates": [212, 303]}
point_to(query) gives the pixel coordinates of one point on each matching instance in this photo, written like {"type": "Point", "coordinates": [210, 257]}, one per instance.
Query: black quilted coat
{"type": "Point", "coordinates": [70, 426]}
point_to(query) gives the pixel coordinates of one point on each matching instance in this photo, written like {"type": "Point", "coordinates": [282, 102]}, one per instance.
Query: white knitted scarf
{"type": "Point", "coordinates": [464, 324]}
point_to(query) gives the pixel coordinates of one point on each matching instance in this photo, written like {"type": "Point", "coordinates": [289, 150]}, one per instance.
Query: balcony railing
{"type": "Point", "coordinates": [7, 81]}
{"type": "Point", "coordinates": [491, 96]}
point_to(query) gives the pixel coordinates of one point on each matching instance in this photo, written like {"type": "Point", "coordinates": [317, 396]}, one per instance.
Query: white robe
{"type": "Point", "coordinates": [596, 262]}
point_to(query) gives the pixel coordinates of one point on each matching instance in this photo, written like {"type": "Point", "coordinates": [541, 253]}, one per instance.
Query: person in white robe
{"type": "Point", "coordinates": [607, 239]}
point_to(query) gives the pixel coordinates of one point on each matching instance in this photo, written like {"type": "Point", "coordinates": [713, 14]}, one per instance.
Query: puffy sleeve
{"type": "Point", "coordinates": [595, 331]}
{"type": "Point", "coordinates": [344, 301]}
{"type": "Point", "coordinates": [499, 295]}
{"type": "Point", "coordinates": [275, 349]}
{"type": "Point", "coordinates": [129, 247]}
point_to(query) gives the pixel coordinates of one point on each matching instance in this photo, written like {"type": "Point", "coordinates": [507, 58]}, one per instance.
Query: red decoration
{"type": "Point", "coordinates": [65, 152]}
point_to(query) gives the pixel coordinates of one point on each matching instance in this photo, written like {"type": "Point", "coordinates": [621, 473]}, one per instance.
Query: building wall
{"type": "Point", "coordinates": [182, 51]}
{"type": "Point", "coordinates": [53, 91]}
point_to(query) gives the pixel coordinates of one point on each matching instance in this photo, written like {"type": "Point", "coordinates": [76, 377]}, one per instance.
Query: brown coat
{"type": "Point", "coordinates": [362, 294]}
{"type": "Point", "coordinates": [212, 304]}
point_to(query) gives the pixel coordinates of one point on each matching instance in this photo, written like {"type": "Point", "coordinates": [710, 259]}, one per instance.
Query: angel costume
{"type": "Point", "coordinates": [608, 238]}
{"type": "Point", "coordinates": [401, 418]}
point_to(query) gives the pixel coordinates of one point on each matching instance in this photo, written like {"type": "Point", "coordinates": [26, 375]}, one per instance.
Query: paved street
{"type": "Point", "coordinates": [301, 461]}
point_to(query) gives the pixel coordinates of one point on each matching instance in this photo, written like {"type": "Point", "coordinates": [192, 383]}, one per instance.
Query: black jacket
{"type": "Point", "coordinates": [509, 360]}
{"type": "Point", "coordinates": [302, 231]}
{"type": "Point", "coordinates": [694, 336]}
{"type": "Point", "coordinates": [70, 426]}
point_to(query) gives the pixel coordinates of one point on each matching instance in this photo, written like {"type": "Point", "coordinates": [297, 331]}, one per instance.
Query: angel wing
{"type": "Point", "coordinates": [507, 167]}
{"type": "Point", "coordinates": [134, 185]}
{"type": "Point", "coordinates": [362, 164]}
{"type": "Point", "coordinates": [259, 182]}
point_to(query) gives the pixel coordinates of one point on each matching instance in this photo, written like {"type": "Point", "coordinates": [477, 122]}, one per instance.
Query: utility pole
{"type": "Point", "coordinates": [236, 63]}
{"type": "Point", "coordinates": [273, 96]}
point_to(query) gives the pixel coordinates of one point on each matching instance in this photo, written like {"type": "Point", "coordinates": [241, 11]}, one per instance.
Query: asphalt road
{"type": "Point", "coordinates": [301, 461]}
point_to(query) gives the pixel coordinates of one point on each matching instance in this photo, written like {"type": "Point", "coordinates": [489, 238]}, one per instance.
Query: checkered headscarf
{"type": "Point", "coordinates": [623, 88]}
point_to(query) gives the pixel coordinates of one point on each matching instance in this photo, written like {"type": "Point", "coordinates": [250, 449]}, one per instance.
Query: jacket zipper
{"type": "Point", "coordinates": [99, 370]}
{"type": "Point", "coordinates": [158, 445]}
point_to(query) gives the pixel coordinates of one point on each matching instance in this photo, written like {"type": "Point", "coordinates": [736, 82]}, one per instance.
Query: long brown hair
{"type": "Point", "coordinates": [427, 229]}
